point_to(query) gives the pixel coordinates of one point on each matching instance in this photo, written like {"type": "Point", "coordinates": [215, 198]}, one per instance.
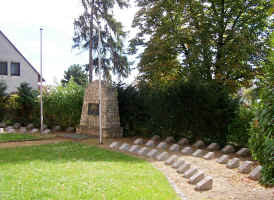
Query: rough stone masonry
{"type": "Point", "coordinates": [89, 123]}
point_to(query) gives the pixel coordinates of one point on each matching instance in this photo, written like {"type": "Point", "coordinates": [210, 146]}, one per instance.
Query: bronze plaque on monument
{"type": "Point", "coordinates": [93, 109]}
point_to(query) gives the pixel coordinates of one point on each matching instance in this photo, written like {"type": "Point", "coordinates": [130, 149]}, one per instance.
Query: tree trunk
{"type": "Point", "coordinates": [90, 42]}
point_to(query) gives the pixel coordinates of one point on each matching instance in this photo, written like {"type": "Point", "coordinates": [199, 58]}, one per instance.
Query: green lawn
{"type": "Point", "coordinates": [76, 171]}
{"type": "Point", "coordinates": [16, 137]}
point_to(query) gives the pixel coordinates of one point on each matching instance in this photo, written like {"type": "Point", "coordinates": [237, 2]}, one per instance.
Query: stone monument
{"type": "Point", "coordinates": [89, 123]}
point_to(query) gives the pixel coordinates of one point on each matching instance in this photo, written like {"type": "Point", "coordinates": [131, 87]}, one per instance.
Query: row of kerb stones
{"type": "Point", "coordinates": [194, 175]}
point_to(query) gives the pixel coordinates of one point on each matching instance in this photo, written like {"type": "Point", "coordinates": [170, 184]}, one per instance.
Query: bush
{"type": "Point", "coordinates": [27, 103]}
{"type": "Point", "coordinates": [261, 140]}
{"type": "Point", "coordinates": [238, 129]}
{"type": "Point", "coordinates": [190, 109]}
{"type": "Point", "coordinates": [132, 111]}
{"type": "Point", "coordinates": [63, 105]}
{"type": "Point", "coordinates": [3, 99]}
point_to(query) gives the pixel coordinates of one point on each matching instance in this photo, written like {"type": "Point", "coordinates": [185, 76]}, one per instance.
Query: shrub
{"type": "Point", "coordinates": [238, 129]}
{"type": "Point", "coordinates": [132, 111]}
{"type": "Point", "coordinates": [3, 99]}
{"type": "Point", "coordinates": [189, 109]}
{"type": "Point", "coordinates": [261, 140]}
{"type": "Point", "coordinates": [27, 103]}
{"type": "Point", "coordinates": [63, 105]}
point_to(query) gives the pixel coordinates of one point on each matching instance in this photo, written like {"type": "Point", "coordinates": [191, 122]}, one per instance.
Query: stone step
{"type": "Point", "coordinates": [162, 156]}
{"type": "Point", "coordinates": [152, 153]}
{"type": "Point", "coordinates": [171, 159]}
{"type": "Point", "coordinates": [205, 184]}
{"type": "Point", "coordinates": [139, 141]}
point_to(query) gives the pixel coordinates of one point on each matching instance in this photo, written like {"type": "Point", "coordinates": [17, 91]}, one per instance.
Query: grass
{"type": "Point", "coordinates": [8, 137]}
{"type": "Point", "coordinates": [77, 171]}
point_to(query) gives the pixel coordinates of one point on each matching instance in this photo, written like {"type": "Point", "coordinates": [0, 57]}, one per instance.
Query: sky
{"type": "Point", "coordinates": [21, 21]}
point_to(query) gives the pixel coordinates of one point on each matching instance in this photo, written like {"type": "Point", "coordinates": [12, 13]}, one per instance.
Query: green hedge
{"type": "Point", "coordinates": [189, 109]}
{"type": "Point", "coordinates": [62, 105]}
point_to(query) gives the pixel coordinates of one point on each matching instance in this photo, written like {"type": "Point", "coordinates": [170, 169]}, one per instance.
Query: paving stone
{"type": "Point", "coordinates": [233, 163]}
{"type": "Point", "coordinates": [143, 151]}
{"type": "Point", "coordinates": [23, 130]}
{"type": "Point", "coordinates": [228, 149]}
{"type": "Point", "coordinates": [205, 184]}
{"type": "Point", "coordinates": [187, 151]}
{"type": "Point", "coordinates": [152, 153]}
{"type": "Point", "coordinates": [174, 147]}
{"type": "Point", "coordinates": [56, 128]}
{"type": "Point", "coordinates": [16, 125]}
{"type": "Point", "coordinates": [34, 130]}
{"type": "Point", "coordinates": [162, 145]}
{"type": "Point", "coordinates": [178, 163]}
{"type": "Point", "coordinates": [134, 148]}
{"type": "Point", "coordinates": [124, 147]}
{"type": "Point", "coordinates": [196, 177]}
{"type": "Point", "coordinates": [70, 129]}
{"type": "Point", "coordinates": [9, 127]}
{"type": "Point", "coordinates": [114, 145]}
{"type": "Point", "coordinates": [183, 168]}
{"type": "Point", "coordinates": [45, 126]}
{"type": "Point", "coordinates": [169, 139]}
{"type": "Point", "coordinates": [190, 172]}
{"type": "Point", "coordinates": [30, 126]}
{"type": "Point", "coordinates": [198, 153]}
{"type": "Point", "coordinates": [255, 174]}
{"type": "Point", "coordinates": [199, 144]}
{"type": "Point", "coordinates": [2, 124]}
{"type": "Point", "coordinates": [150, 143]}
{"type": "Point", "coordinates": [46, 131]}
{"type": "Point", "coordinates": [183, 141]}
{"type": "Point", "coordinates": [162, 156]}
{"type": "Point", "coordinates": [213, 147]}
{"type": "Point", "coordinates": [155, 138]}
{"type": "Point", "coordinates": [223, 159]}
{"type": "Point", "coordinates": [11, 130]}
{"type": "Point", "coordinates": [171, 159]}
{"type": "Point", "coordinates": [139, 141]}
{"type": "Point", "coordinates": [243, 152]}
{"type": "Point", "coordinates": [245, 167]}
{"type": "Point", "coordinates": [209, 156]}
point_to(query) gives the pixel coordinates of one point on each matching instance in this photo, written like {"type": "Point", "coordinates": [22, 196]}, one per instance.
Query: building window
{"type": "Point", "coordinates": [15, 69]}
{"type": "Point", "coordinates": [3, 68]}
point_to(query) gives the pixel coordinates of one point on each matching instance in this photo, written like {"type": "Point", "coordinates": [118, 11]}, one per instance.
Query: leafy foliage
{"type": "Point", "coordinates": [214, 39]}
{"type": "Point", "coordinates": [3, 98]}
{"type": "Point", "coordinates": [63, 105]}
{"type": "Point", "coordinates": [238, 129]}
{"type": "Point", "coordinates": [261, 140]}
{"type": "Point", "coordinates": [26, 102]}
{"type": "Point", "coordinates": [78, 73]}
{"type": "Point", "coordinates": [86, 36]}
{"type": "Point", "coordinates": [190, 109]}
{"type": "Point", "coordinates": [133, 114]}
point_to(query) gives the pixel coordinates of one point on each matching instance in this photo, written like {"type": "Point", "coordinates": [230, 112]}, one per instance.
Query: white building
{"type": "Point", "coordinates": [14, 67]}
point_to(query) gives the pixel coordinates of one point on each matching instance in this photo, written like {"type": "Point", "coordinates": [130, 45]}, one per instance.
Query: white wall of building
{"type": "Point", "coordinates": [27, 74]}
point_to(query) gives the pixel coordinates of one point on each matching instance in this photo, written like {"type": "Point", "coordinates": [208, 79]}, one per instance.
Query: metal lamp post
{"type": "Point", "coordinates": [100, 89]}
{"type": "Point", "coordinates": [41, 83]}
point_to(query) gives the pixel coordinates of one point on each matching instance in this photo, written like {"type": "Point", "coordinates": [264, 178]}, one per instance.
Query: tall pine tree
{"type": "Point", "coordinates": [99, 13]}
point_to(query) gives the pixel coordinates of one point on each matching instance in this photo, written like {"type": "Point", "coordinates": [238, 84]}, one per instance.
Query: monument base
{"type": "Point", "coordinates": [106, 132]}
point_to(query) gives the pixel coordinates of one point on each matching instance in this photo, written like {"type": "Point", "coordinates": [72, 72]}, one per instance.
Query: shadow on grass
{"type": "Point", "coordinates": [62, 153]}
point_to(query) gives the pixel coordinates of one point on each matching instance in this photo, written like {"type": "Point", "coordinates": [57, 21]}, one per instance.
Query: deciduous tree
{"type": "Point", "coordinates": [218, 40]}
